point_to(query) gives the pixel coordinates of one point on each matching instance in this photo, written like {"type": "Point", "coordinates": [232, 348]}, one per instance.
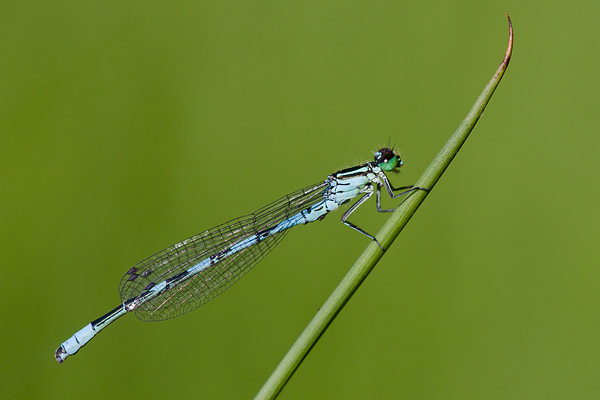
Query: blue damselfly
{"type": "Point", "coordinates": [192, 272]}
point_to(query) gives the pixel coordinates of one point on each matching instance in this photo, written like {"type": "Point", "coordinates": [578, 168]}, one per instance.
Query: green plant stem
{"type": "Point", "coordinates": [388, 233]}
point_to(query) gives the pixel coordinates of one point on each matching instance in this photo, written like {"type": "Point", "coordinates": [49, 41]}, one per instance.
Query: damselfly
{"type": "Point", "coordinates": [190, 273]}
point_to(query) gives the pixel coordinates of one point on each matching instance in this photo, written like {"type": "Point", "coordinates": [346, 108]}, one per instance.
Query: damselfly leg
{"type": "Point", "coordinates": [369, 192]}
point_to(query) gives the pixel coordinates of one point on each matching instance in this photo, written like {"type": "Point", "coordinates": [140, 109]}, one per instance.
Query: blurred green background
{"type": "Point", "coordinates": [128, 126]}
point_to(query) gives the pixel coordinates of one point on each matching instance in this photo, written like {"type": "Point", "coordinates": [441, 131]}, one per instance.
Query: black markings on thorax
{"type": "Point", "coordinates": [353, 172]}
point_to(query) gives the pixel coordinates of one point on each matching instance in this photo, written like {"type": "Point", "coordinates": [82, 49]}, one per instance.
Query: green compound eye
{"type": "Point", "coordinates": [389, 165]}
{"type": "Point", "coordinates": [387, 160]}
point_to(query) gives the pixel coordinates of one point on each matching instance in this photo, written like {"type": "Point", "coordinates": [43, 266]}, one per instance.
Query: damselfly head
{"type": "Point", "coordinates": [387, 160]}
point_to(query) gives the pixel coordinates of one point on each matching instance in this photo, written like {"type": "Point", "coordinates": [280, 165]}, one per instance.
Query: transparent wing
{"type": "Point", "coordinates": [209, 283]}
